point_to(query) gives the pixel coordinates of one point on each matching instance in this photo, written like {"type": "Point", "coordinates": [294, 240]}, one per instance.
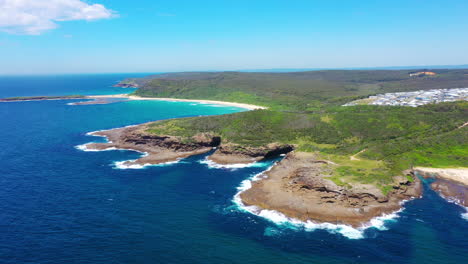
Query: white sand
{"type": "Point", "coordinates": [132, 97]}
{"type": "Point", "coordinates": [455, 174]}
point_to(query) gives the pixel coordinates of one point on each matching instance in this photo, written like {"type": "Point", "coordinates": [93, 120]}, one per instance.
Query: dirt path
{"type": "Point", "coordinates": [353, 157]}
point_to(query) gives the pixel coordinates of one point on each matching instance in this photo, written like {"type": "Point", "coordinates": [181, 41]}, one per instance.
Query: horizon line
{"type": "Point", "coordinates": [272, 70]}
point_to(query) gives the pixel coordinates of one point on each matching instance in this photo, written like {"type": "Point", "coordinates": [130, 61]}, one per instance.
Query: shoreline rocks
{"type": "Point", "coordinates": [159, 149]}
{"type": "Point", "coordinates": [126, 85]}
{"type": "Point", "coordinates": [451, 184]}
{"type": "Point", "coordinates": [298, 187]}
{"type": "Point", "coordinates": [162, 148]}
{"type": "Point", "coordinates": [234, 154]}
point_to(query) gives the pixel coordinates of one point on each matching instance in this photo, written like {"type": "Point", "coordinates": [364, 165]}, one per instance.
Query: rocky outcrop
{"type": "Point", "coordinates": [299, 187]}
{"type": "Point", "coordinates": [451, 191]}
{"type": "Point", "coordinates": [159, 149]}
{"type": "Point", "coordinates": [164, 148]}
{"type": "Point", "coordinates": [449, 183]}
{"type": "Point", "coordinates": [124, 84]}
{"type": "Point", "coordinates": [232, 153]}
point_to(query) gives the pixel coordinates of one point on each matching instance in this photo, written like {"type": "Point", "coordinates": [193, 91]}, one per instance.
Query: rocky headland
{"type": "Point", "coordinates": [158, 149]}
{"type": "Point", "coordinates": [166, 148]}
{"type": "Point", "coordinates": [299, 186]}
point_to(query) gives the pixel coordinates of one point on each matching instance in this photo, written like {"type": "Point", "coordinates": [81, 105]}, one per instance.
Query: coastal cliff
{"type": "Point", "coordinates": [157, 149]}
{"type": "Point", "coordinates": [166, 148]}
{"type": "Point", "coordinates": [235, 154]}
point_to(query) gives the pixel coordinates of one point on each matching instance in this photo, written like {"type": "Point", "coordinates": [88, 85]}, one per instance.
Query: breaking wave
{"type": "Point", "coordinates": [84, 147]}
{"type": "Point", "coordinates": [465, 214]}
{"type": "Point", "coordinates": [122, 166]}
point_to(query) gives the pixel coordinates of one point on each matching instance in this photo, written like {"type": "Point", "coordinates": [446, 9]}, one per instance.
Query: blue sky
{"type": "Point", "coordinates": [98, 36]}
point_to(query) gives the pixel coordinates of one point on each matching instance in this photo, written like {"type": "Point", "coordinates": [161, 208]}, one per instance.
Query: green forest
{"type": "Point", "coordinates": [371, 144]}
{"type": "Point", "coordinates": [295, 91]}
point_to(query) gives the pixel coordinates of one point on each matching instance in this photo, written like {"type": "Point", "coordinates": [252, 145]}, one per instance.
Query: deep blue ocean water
{"type": "Point", "coordinates": [62, 205]}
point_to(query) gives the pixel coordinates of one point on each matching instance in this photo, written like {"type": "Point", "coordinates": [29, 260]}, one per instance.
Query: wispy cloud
{"type": "Point", "coordinates": [33, 17]}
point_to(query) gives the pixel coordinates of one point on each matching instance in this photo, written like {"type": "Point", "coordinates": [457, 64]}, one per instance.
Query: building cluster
{"type": "Point", "coordinates": [423, 73]}
{"type": "Point", "coordinates": [416, 98]}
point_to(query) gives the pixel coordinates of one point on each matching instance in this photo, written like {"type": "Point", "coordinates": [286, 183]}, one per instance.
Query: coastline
{"type": "Point", "coordinates": [139, 98]}
{"type": "Point", "coordinates": [315, 204]}
{"type": "Point", "coordinates": [155, 150]}
{"type": "Point", "coordinates": [103, 99]}
{"type": "Point", "coordinates": [459, 175]}
{"type": "Point", "coordinates": [295, 187]}
{"type": "Point", "coordinates": [450, 183]}
{"type": "Point", "coordinates": [298, 187]}
{"type": "Point", "coordinates": [281, 219]}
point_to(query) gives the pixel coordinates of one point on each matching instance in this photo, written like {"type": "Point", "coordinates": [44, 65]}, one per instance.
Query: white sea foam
{"type": "Point", "coordinates": [79, 102]}
{"type": "Point", "coordinates": [84, 147]}
{"type": "Point", "coordinates": [92, 133]}
{"type": "Point", "coordinates": [285, 221]}
{"type": "Point", "coordinates": [122, 166]}
{"type": "Point", "coordinates": [213, 165]}
{"type": "Point", "coordinates": [465, 214]}
{"type": "Point", "coordinates": [457, 202]}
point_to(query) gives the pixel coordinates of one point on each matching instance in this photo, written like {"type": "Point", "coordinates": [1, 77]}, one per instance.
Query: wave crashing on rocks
{"type": "Point", "coordinates": [213, 165]}
{"type": "Point", "coordinates": [288, 222]}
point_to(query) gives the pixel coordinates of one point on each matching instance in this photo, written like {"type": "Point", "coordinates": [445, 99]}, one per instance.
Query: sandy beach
{"type": "Point", "coordinates": [132, 97]}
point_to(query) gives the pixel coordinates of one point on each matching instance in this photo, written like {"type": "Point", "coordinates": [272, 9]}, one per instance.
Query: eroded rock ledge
{"type": "Point", "coordinates": [298, 187]}
{"type": "Point", "coordinates": [161, 148]}
{"type": "Point", "coordinates": [230, 153]}
{"type": "Point", "coordinates": [452, 184]}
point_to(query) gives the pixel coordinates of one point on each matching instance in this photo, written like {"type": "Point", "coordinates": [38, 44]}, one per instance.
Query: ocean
{"type": "Point", "coordinates": [59, 204]}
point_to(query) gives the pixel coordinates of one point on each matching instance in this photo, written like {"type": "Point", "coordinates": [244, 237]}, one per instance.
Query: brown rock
{"type": "Point", "coordinates": [298, 187]}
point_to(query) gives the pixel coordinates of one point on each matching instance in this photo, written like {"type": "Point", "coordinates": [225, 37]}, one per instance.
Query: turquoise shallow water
{"type": "Point", "coordinates": [62, 205]}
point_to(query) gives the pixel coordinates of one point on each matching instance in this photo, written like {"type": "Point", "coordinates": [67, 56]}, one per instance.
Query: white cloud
{"type": "Point", "coordinates": [33, 17]}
